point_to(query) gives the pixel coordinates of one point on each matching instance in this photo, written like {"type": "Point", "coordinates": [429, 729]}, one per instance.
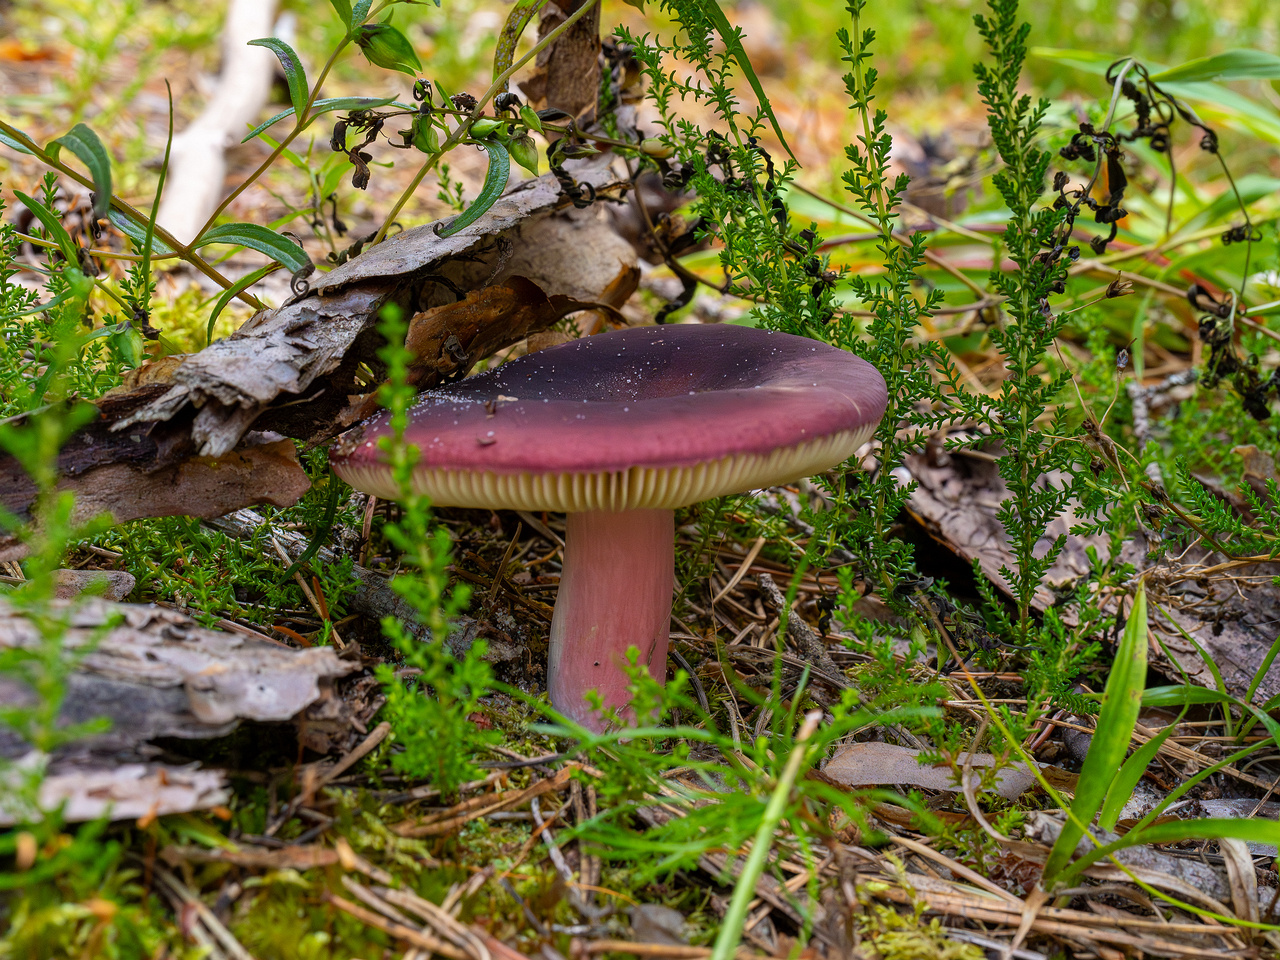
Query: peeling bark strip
{"type": "Point", "coordinates": [156, 673]}
{"type": "Point", "coordinates": [293, 370]}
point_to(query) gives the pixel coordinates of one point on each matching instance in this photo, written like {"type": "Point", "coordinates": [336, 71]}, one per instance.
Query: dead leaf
{"type": "Point", "coordinates": [886, 764]}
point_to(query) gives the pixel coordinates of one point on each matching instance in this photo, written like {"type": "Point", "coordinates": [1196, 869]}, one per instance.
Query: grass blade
{"type": "Point", "coordinates": [733, 44]}
{"type": "Point", "coordinates": [744, 890]}
{"type": "Point", "coordinates": [1121, 701]}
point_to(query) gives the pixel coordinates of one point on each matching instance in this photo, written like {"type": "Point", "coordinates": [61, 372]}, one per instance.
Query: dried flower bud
{"type": "Point", "coordinates": [1119, 287]}
{"type": "Point", "coordinates": [463, 101]}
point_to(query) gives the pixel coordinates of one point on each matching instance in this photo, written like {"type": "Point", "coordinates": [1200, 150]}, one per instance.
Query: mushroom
{"type": "Point", "coordinates": [617, 430]}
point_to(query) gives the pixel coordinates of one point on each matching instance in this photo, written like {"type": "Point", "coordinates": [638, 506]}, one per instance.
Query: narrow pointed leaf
{"type": "Point", "coordinates": [1231, 65]}
{"type": "Point", "coordinates": [294, 74]}
{"type": "Point", "coordinates": [13, 143]}
{"type": "Point", "coordinates": [1127, 779]}
{"type": "Point", "coordinates": [504, 53]}
{"type": "Point", "coordinates": [84, 143]}
{"type": "Point", "coordinates": [359, 11]}
{"type": "Point", "coordinates": [327, 105]}
{"type": "Point", "coordinates": [343, 9]}
{"type": "Point", "coordinates": [64, 296]}
{"type": "Point", "coordinates": [137, 234]}
{"type": "Point", "coordinates": [49, 220]}
{"type": "Point", "coordinates": [495, 182]}
{"type": "Point", "coordinates": [1121, 701]}
{"type": "Point", "coordinates": [1255, 830]}
{"type": "Point", "coordinates": [1182, 695]}
{"type": "Point", "coordinates": [733, 44]}
{"type": "Point", "coordinates": [257, 237]}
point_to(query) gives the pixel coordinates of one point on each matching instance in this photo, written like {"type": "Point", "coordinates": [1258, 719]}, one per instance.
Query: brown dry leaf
{"type": "Point", "coordinates": [129, 792]}
{"type": "Point", "coordinates": [452, 337]}
{"type": "Point", "coordinates": [886, 764]}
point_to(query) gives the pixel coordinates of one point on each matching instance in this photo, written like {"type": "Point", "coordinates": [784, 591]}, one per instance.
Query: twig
{"type": "Point", "coordinates": [393, 929]}
{"type": "Point", "coordinates": [375, 737]}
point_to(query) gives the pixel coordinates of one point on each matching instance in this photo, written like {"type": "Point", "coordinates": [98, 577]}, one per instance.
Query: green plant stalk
{"type": "Point", "coordinates": [884, 224]}
{"type": "Point", "coordinates": [745, 889]}
{"type": "Point", "coordinates": [301, 122]}
{"type": "Point", "coordinates": [184, 251]}
{"type": "Point", "coordinates": [464, 128]}
{"type": "Point", "coordinates": [155, 205]}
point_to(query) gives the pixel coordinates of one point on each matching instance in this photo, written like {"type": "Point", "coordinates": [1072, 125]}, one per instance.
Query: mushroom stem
{"type": "Point", "coordinates": [615, 593]}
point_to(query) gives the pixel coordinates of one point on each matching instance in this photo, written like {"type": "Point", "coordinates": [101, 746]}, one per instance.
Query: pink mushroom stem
{"type": "Point", "coordinates": [615, 593]}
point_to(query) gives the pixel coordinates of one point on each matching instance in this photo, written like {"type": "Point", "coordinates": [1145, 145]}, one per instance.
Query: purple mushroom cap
{"type": "Point", "coordinates": [717, 409]}
{"type": "Point", "coordinates": [617, 430]}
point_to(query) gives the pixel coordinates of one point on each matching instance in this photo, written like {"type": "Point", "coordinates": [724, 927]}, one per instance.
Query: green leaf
{"type": "Point", "coordinates": [137, 234]}
{"type": "Point", "coordinates": [233, 291]}
{"type": "Point", "coordinates": [1121, 701]}
{"type": "Point", "coordinates": [1219, 102]}
{"type": "Point", "coordinates": [359, 11]}
{"type": "Point", "coordinates": [1182, 695]}
{"type": "Point", "coordinates": [504, 53]}
{"type": "Point", "coordinates": [257, 237]}
{"type": "Point", "coordinates": [49, 220]}
{"type": "Point", "coordinates": [327, 106]}
{"type": "Point", "coordinates": [14, 144]}
{"type": "Point", "coordinates": [385, 46]}
{"type": "Point", "coordinates": [1231, 65]}
{"type": "Point", "coordinates": [495, 182]}
{"type": "Point", "coordinates": [296, 76]}
{"type": "Point", "coordinates": [733, 45]}
{"type": "Point", "coordinates": [1254, 830]}
{"type": "Point", "coordinates": [1127, 779]}
{"type": "Point", "coordinates": [343, 9]}
{"type": "Point", "coordinates": [84, 143]}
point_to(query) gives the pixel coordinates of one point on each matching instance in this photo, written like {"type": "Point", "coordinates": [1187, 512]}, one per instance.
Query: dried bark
{"type": "Point", "coordinates": [567, 73]}
{"type": "Point", "coordinates": [156, 673]}
{"type": "Point", "coordinates": [129, 792]}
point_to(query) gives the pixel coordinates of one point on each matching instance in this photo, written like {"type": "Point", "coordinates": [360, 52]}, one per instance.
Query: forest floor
{"type": "Point", "coordinates": [313, 844]}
